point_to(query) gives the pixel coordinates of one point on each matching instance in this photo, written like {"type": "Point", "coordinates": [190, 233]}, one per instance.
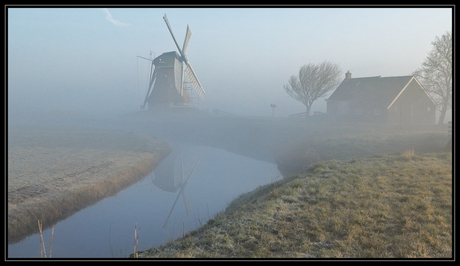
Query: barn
{"type": "Point", "coordinates": [390, 100]}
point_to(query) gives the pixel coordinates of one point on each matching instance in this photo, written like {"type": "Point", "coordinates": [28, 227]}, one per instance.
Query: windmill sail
{"type": "Point", "coordinates": [188, 33]}
{"type": "Point", "coordinates": [172, 34]}
{"type": "Point", "coordinates": [189, 70]}
{"type": "Point", "coordinates": [178, 73]}
{"type": "Point", "coordinates": [194, 81]}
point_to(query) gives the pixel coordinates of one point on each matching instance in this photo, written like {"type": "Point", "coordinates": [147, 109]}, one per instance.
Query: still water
{"type": "Point", "coordinates": [106, 229]}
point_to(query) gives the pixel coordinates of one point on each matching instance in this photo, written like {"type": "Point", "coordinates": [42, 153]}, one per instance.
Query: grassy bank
{"type": "Point", "coordinates": [305, 144]}
{"type": "Point", "coordinates": [55, 173]}
{"type": "Point", "coordinates": [389, 206]}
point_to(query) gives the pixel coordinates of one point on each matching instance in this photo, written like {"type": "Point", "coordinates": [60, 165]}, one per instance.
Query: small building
{"type": "Point", "coordinates": [392, 100]}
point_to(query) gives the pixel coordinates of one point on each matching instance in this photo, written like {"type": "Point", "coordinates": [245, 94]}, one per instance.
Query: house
{"type": "Point", "coordinates": [392, 100]}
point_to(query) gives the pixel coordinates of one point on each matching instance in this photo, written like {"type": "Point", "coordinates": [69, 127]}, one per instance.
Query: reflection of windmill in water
{"type": "Point", "coordinates": [174, 173]}
{"type": "Point", "coordinates": [167, 87]}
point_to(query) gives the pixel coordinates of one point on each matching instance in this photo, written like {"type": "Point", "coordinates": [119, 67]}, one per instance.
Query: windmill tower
{"type": "Point", "coordinates": [166, 79]}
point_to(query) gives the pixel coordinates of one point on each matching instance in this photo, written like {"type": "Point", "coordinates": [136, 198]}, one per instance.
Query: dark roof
{"type": "Point", "coordinates": [166, 58]}
{"type": "Point", "coordinates": [381, 91]}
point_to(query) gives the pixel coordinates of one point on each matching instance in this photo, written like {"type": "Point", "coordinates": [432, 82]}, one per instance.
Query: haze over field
{"type": "Point", "coordinates": [85, 59]}
{"type": "Point", "coordinates": [73, 71]}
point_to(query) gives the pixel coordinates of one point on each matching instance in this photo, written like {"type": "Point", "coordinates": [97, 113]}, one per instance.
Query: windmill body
{"type": "Point", "coordinates": [166, 82]}
{"type": "Point", "coordinates": [167, 89]}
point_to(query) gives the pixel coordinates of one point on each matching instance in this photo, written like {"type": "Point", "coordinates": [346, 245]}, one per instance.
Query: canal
{"type": "Point", "coordinates": [106, 229]}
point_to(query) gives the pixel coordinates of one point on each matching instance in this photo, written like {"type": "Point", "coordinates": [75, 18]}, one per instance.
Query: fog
{"type": "Point", "coordinates": [85, 59]}
{"type": "Point", "coordinates": [70, 68]}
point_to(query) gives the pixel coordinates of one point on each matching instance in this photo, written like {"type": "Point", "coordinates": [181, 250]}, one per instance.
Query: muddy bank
{"type": "Point", "coordinates": [54, 173]}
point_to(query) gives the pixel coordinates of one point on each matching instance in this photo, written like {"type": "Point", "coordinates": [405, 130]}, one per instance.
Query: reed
{"type": "Point", "coordinates": [42, 242]}
{"type": "Point", "coordinates": [51, 242]}
{"type": "Point", "coordinates": [136, 240]}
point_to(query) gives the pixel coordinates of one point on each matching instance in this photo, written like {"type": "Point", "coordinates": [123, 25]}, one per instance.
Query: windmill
{"type": "Point", "coordinates": [166, 77]}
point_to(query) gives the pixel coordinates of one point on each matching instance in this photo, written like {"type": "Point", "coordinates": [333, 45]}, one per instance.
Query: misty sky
{"type": "Point", "coordinates": [85, 59]}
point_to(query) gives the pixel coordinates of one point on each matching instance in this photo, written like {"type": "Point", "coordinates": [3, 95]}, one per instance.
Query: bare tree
{"type": "Point", "coordinates": [436, 73]}
{"type": "Point", "coordinates": [313, 82]}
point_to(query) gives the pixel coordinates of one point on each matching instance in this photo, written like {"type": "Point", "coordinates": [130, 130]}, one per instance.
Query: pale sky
{"type": "Point", "coordinates": [85, 59]}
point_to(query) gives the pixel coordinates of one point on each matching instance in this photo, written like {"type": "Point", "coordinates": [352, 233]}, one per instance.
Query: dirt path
{"type": "Point", "coordinates": [54, 173]}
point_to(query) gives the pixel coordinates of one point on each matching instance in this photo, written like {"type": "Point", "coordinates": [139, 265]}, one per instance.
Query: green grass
{"type": "Point", "coordinates": [390, 206]}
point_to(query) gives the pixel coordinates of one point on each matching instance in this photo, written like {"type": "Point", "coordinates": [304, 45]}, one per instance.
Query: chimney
{"type": "Point", "coordinates": [348, 75]}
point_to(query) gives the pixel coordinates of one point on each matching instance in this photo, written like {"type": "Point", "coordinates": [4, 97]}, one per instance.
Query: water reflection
{"type": "Point", "coordinates": [175, 172]}
{"type": "Point", "coordinates": [105, 230]}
